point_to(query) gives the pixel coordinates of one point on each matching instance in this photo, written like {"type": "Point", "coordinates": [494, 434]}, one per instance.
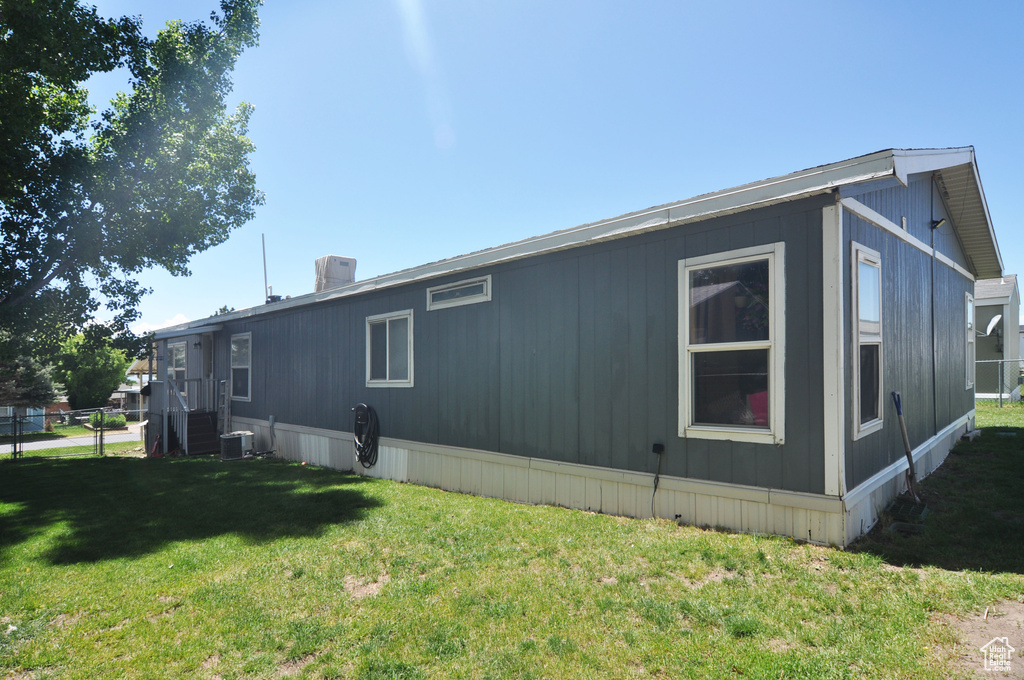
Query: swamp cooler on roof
{"type": "Point", "coordinates": [334, 271]}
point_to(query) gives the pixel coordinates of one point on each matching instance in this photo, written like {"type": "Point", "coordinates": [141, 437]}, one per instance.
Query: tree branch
{"type": "Point", "coordinates": [28, 291]}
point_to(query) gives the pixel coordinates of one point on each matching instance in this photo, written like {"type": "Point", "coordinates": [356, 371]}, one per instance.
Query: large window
{"type": "Point", "coordinates": [970, 333]}
{"type": "Point", "coordinates": [241, 366]}
{"type": "Point", "coordinates": [389, 350]}
{"type": "Point", "coordinates": [176, 363]}
{"type": "Point", "coordinates": [867, 329]}
{"type": "Point", "coordinates": [731, 317]}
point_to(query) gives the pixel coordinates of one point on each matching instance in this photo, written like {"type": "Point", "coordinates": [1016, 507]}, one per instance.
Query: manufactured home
{"type": "Point", "coordinates": [725, 360]}
{"type": "Point", "coordinates": [997, 324]}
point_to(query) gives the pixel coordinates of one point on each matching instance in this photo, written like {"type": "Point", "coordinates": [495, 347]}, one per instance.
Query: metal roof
{"type": "Point", "coordinates": [955, 169]}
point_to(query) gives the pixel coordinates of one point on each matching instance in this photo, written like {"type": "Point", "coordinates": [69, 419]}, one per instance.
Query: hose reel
{"type": "Point", "coordinates": [366, 429]}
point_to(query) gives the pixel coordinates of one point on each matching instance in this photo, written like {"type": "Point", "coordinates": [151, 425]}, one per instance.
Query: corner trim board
{"type": "Point", "coordinates": [833, 356]}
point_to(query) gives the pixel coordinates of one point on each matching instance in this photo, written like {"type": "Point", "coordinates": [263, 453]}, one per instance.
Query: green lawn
{"type": "Point", "coordinates": [59, 432]}
{"type": "Point", "coordinates": [989, 414]}
{"type": "Point", "coordinates": [130, 567]}
{"type": "Point", "coordinates": [109, 448]}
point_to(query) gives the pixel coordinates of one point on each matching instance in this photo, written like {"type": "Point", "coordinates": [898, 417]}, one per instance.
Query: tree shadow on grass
{"type": "Point", "coordinates": [129, 507]}
{"type": "Point", "coordinates": [976, 504]}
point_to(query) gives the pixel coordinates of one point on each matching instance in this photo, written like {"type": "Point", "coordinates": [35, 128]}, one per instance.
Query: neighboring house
{"type": "Point", "coordinates": [752, 334]}
{"type": "Point", "coordinates": [32, 419]}
{"type": "Point", "coordinates": [998, 354]}
{"type": "Point", "coordinates": [129, 398]}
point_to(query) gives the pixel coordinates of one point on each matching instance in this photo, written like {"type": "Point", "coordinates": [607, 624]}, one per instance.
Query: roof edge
{"type": "Point", "coordinates": [897, 163]}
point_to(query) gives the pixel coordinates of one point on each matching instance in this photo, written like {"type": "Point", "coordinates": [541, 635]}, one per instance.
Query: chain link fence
{"type": "Point", "coordinates": [997, 380]}
{"type": "Point", "coordinates": [36, 430]}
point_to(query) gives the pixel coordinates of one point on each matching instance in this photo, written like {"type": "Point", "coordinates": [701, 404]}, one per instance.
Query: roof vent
{"type": "Point", "coordinates": [334, 271]}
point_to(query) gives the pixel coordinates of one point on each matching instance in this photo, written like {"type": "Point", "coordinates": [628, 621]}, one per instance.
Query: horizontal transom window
{"type": "Point", "coordinates": [468, 292]}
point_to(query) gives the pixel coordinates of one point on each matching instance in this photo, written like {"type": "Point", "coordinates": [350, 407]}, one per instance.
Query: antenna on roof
{"type": "Point", "coordinates": [263, 237]}
{"type": "Point", "coordinates": [267, 290]}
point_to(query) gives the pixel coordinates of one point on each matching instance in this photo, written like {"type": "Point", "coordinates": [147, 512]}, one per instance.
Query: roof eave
{"type": "Point", "coordinates": [793, 186]}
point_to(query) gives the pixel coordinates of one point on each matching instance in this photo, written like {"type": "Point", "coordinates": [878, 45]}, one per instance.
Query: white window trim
{"type": "Point", "coordinates": [970, 346]}
{"type": "Point", "coordinates": [861, 253]}
{"type": "Point", "coordinates": [775, 434]}
{"type": "Point", "coordinates": [248, 367]}
{"type": "Point", "coordinates": [470, 300]}
{"type": "Point", "coordinates": [169, 366]}
{"type": "Point", "coordinates": [406, 313]}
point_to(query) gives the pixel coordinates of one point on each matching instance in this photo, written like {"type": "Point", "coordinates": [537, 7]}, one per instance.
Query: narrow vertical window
{"type": "Point", "coordinates": [176, 363]}
{"type": "Point", "coordinates": [731, 345]}
{"type": "Point", "coordinates": [241, 366]}
{"type": "Point", "coordinates": [867, 309]}
{"type": "Point", "coordinates": [389, 357]}
{"type": "Point", "coordinates": [969, 344]}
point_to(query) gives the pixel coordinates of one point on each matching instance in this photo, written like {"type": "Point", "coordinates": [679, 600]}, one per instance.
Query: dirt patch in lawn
{"type": "Point", "coordinates": [359, 589]}
{"type": "Point", "coordinates": [1002, 620]}
{"type": "Point", "coordinates": [295, 666]}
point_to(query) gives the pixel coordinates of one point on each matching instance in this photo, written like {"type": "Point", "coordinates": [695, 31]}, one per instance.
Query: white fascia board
{"type": "Point", "coordinates": [988, 216]}
{"type": "Point", "coordinates": [990, 302]}
{"type": "Point", "coordinates": [181, 331]}
{"type": "Point", "coordinates": [793, 186]}
{"type": "Point", "coordinates": [913, 161]}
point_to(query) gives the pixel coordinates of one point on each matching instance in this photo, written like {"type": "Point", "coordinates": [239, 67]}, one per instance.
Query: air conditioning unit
{"type": "Point", "coordinates": [234, 445]}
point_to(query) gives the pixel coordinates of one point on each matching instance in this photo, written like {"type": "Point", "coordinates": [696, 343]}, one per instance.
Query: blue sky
{"type": "Point", "coordinates": [409, 131]}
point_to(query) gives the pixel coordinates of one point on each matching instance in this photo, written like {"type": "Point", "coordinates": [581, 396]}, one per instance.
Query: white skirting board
{"type": "Point", "coordinates": [866, 501]}
{"type": "Point", "coordinates": [815, 518]}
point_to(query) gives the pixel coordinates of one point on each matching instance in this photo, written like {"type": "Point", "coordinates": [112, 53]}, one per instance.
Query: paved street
{"type": "Point", "coordinates": [132, 434]}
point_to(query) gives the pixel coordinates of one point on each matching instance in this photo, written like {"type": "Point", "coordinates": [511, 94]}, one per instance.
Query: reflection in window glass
{"type": "Point", "coordinates": [868, 330]}
{"type": "Point", "coordinates": [473, 290]}
{"type": "Point", "coordinates": [379, 350]}
{"type": "Point", "coordinates": [398, 349]}
{"type": "Point", "coordinates": [731, 388]}
{"type": "Point", "coordinates": [241, 354]}
{"type": "Point", "coordinates": [868, 298]}
{"type": "Point", "coordinates": [176, 363]}
{"type": "Point", "coordinates": [389, 350]}
{"type": "Point", "coordinates": [730, 303]}
{"type": "Point", "coordinates": [869, 383]}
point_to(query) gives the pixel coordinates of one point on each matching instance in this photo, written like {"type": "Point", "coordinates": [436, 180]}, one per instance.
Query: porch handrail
{"type": "Point", "coordinates": [177, 411]}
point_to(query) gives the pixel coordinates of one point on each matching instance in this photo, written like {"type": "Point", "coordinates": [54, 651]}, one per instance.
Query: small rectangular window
{"type": "Point", "coordinates": [969, 340]}
{"type": "Point", "coordinates": [177, 358]}
{"type": "Point", "coordinates": [466, 292]}
{"type": "Point", "coordinates": [241, 366]}
{"type": "Point", "coordinates": [731, 317]}
{"type": "Point", "coordinates": [389, 342]}
{"type": "Point", "coordinates": [867, 327]}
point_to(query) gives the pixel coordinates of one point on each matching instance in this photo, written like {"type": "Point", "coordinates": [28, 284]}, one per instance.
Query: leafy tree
{"type": "Point", "coordinates": [224, 310]}
{"type": "Point", "coordinates": [91, 368]}
{"type": "Point", "coordinates": [87, 202]}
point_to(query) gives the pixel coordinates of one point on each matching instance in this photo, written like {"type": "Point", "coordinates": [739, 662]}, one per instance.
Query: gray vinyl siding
{"type": "Point", "coordinates": [933, 394]}
{"type": "Point", "coordinates": [574, 359]}
{"type": "Point", "coordinates": [920, 203]}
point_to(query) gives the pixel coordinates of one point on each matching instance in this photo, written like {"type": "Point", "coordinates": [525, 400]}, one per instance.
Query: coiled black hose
{"type": "Point", "coordinates": [367, 432]}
